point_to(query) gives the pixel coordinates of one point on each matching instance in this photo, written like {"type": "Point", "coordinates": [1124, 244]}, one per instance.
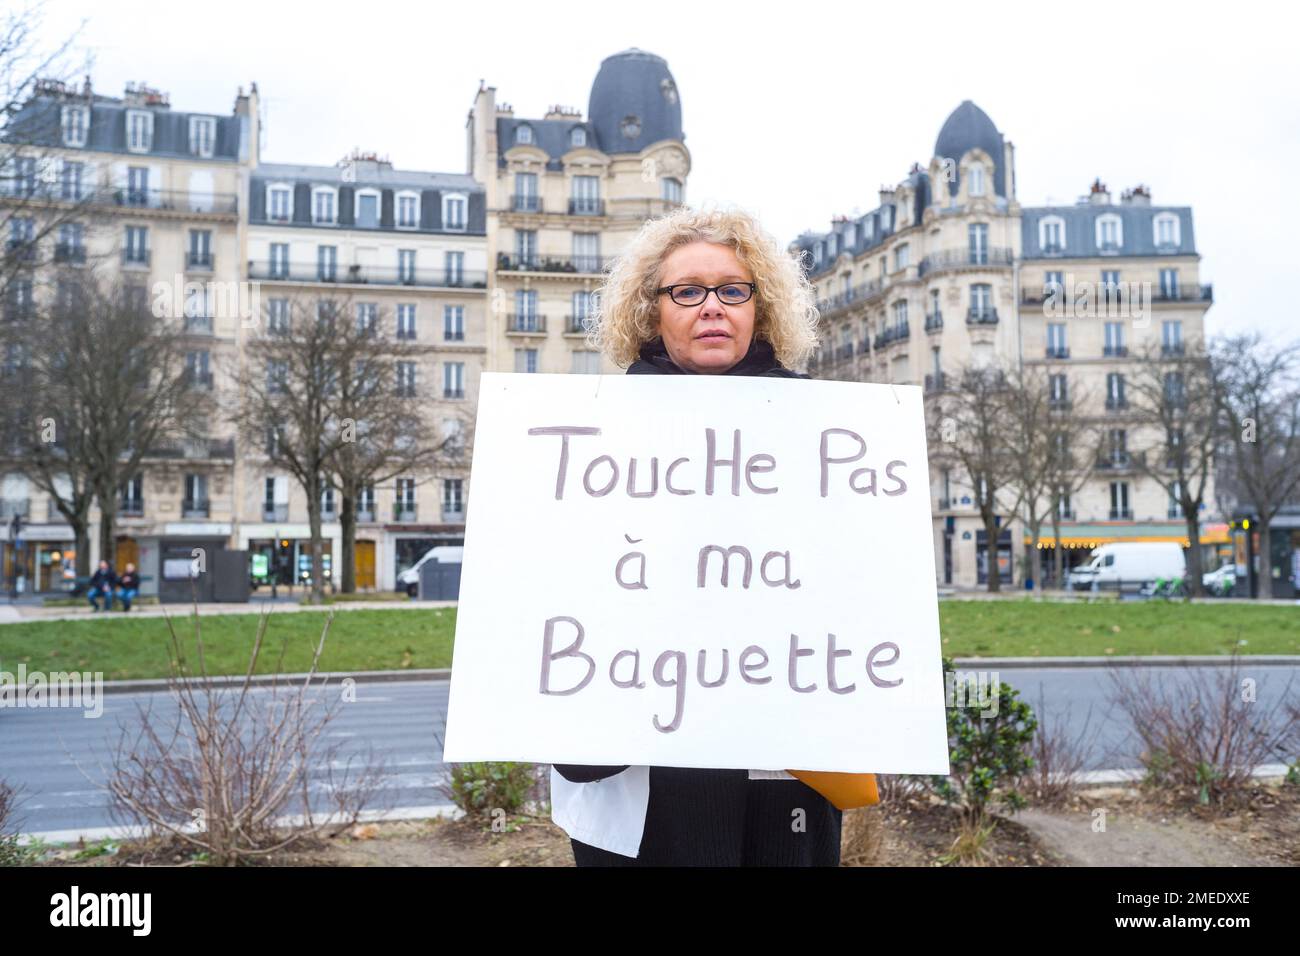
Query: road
{"type": "Point", "coordinates": [41, 750]}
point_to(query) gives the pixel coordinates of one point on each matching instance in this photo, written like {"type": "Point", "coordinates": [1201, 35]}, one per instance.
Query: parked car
{"type": "Point", "coordinates": [409, 580]}
{"type": "Point", "coordinates": [1220, 583]}
{"type": "Point", "coordinates": [1129, 562]}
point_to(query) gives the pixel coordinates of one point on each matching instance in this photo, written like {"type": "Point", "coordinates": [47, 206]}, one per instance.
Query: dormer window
{"type": "Point", "coordinates": [1110, 233]}
{"type": "Point", "coordinates": [975, 181]}
{"type": "Point", "coordinates": [76, 124]}
{"type": "Point", "coordinates": [671, 189]}
{"type": "Point", "coordinates": [1051, 235]}
{"type": "Point", "coordinates": [578, 137]}
{"type": "Point", "coordinates": [1167, 230]}
{"type": "Point", "coordinates": [850, 236]}
{"type": "Point", "coordinates": [453, 210]}
{"type": "Point", "coordinates": [324, 205]}
{"type": "Point", "coordinates": [139, 131]}
{"type": "Point", "coordinates": [867, 230]}
{"type": "Point", "coordinates": [203, 135]}
{"type": "Point", "coordinates": [408, 210]}
{"type": "Point", "coordinates": [523, 135]}
{"type": "Point", "coordinates": [279, 203]}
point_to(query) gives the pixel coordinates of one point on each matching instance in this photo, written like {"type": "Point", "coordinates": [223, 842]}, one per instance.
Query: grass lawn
{"type": "Point", "coordinates": [1027, 628]}
{"type": "Point", "coordinates": [125, 647]}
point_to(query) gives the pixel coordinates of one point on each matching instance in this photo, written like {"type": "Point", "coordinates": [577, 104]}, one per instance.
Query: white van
{"type": "Point", "coordinates": [409, 580]}
{"type": "Point", "coordinates": [1130, 562]}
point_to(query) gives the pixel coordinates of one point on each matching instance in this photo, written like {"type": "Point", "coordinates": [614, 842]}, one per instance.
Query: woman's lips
{"type": "Point", "coordinates": [718, 334]}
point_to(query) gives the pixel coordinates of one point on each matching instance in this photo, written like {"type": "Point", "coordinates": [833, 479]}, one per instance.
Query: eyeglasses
{"type": "Point", "coordinates": [733, 293]}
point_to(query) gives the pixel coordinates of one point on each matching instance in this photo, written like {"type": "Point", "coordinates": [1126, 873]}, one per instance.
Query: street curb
{"type": "Point", "coordinates": [1206, 660]}
{"type": "Point", "coordinates": [264, 680]}
{"type": "Point", "coordinates": [969, 663]}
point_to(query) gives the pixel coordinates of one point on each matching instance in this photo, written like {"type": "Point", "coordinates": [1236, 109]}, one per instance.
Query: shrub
{"type": "Point", "coordinates": [1203, 736]}
{"type": "Point", "coordinates": [483, 787]}
{"type": "Point", "coordinates": [987, 754]}
{"type": "Point", "coordinates": [221, 773]}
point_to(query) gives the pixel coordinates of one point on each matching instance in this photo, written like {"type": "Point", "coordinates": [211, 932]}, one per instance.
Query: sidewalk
{"type": "Point", "coordinates": [18, 613]}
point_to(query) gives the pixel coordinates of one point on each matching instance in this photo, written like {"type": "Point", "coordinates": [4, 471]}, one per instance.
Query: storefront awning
{"type": "Point", "coordinates": [1083, 535]}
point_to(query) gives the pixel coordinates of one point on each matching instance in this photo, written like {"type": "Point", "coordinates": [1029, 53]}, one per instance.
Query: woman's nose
{"type": "Point", "coordinates": [712, 308]}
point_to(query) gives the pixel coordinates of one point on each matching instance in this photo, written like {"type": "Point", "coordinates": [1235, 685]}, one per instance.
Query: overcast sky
{"type": "Point", "coordinates": [797, 118]}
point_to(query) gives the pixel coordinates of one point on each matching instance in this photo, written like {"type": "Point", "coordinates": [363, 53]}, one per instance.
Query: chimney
{"type": "Point", "coordinates": [1098, 194]}
{"type": "Point", "coordinates": [1137, 196]}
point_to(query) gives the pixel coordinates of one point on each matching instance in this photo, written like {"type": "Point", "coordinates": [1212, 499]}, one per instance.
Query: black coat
{"type": "Point", "coordinates": [719, 817]}
{"type": "Point", "coordinates": [103, 578]}
{"type": "Point", "coordinates": [129, 581]}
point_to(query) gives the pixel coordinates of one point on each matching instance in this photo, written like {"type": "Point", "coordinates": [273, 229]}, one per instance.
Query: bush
{"type": "Point", "coordinates": [483, 787]}
{"type": "Point", "coordinates": [987, 754]}
{"type": "Point", "coordinates": [1203, 736]}
{"type": "Point", "coordinates": [237, 771]}
{"type": "Point", "coordinates": [11, 854]}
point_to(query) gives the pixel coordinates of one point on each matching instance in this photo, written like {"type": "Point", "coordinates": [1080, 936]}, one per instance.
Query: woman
{"type": "Point", "coordinates": [705, 293]}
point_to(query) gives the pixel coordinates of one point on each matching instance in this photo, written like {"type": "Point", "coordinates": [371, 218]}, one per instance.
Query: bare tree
{"type": "Point", "coordinates": [1260, 398]}
{"type": "Point", "coordinates": [1177, 401]}
{"type": "Point", "coordinates": [1073, 446]}
{"type": "Point", "coordinates": [107, 376]}
{"type": "Point", "coordinates": [290, 394]}
{"type": "Point", "coordinates": [387, 429]}
{"type": "Point", "coordinates": [35, 200]}
{"type": "Point", "coordinates": [1030, 413]}
{"type": "Point", "coordinates": [968, 428]}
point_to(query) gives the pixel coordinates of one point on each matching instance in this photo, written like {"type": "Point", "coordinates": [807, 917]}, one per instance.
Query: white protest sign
{"type": "Point", "coordinates": [699, 571]}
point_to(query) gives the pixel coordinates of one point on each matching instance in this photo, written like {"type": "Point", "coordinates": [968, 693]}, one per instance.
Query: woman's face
{"type": "Point", "coordinates": [710, 336]}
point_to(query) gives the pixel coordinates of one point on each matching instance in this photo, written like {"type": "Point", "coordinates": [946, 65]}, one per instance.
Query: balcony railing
{"type": "Point", "coordinates": [1116, 404]}
{"type": "Point", "coordinates": [1172, 350]}
{"type": "Point", "coordinates": [453, 393]}
{"type": "Point", "coordinates": [211, 448]}
{"type": "Point", "coordinates": [370, 275]}
{"type": "Point", "coordinates": [1058, 352]}
{"type": "Point", "coordinates": [198, 324]}
{"type": "Point", "coordinates": [404, 511]}
{"type": "Point", "coordinates": [21, 250]}
{"type": "Point", "coordinates": [586, 207]}
{"type": "Point", "coordinates": [453, 515]}
{"type": "Point", "coordinates": [981, 316]}
{"type": "Point", "coordinates": [584, 265]}
{"type": "Point", "coordinates": [525, 203]}
{"type": "Point", "coordinates": [946, 259]}
{"type": "Point", "coordinates": [1114, 461]}
{"type": "Point", "coordinates": [1059, 404]}
{"type": "Point", "coordinates": [525, 323]}
{"type": "Point", "coordinates": [1115, 351]}
{"type": "Point", "coordinates": [274, 512]}
{"type": "Point", "coordinates": [936, 382]}
{"type": "Point", "coordinates": [576, 324]}
{"type": "Point", "coordinates": [135, 257]}
{"type": "Point", "coordinates": [893, 333]}
{"type": "Point", "coordinates": [198, 379]}
{"type": "Point", "coordinates": [329, 512]}
{"type": "Point", "coordinates": [366, 514]}
{"type": "Point", "coordinates": [934, 322]}
{"type": "Point", "coordinates": [130, 507]}
{"type": "Point", "coordinates": [66, 252]}
{"type": "Point", "coordinates": [1121, 514]}
{"type": "Point", "coordinates": [844, 351]}
{"type": "Point", "coordinates": [194, 508]}
{"type": "Point", "coordinates": [199, 261]}
{"type": "Point", "coordinates": [166, 200]}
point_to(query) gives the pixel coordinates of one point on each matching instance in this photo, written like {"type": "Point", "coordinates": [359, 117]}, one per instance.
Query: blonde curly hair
{"type": "Point", "coordinates": [627, 306]}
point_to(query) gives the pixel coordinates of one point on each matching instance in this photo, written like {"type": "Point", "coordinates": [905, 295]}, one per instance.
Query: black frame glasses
{"type": "Point", "coordinates": [671, 290]}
